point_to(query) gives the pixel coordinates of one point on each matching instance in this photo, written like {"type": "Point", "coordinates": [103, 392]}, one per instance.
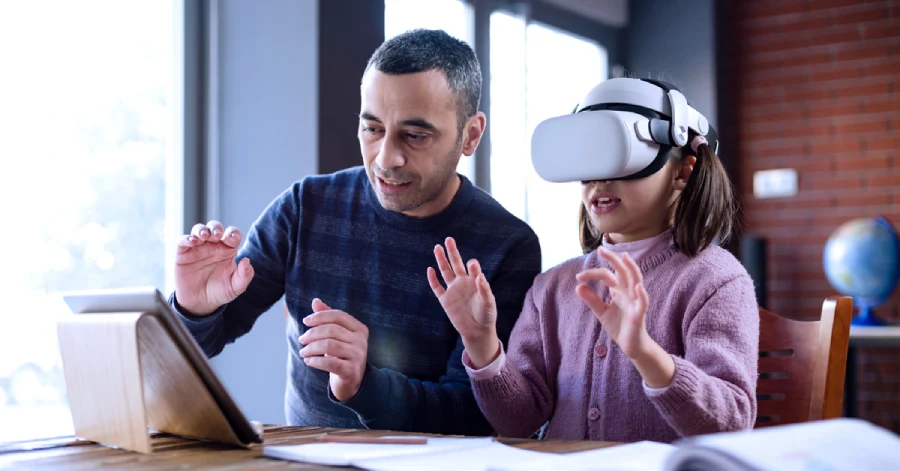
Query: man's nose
{"type": "Point", "coordinates": [391, 156]}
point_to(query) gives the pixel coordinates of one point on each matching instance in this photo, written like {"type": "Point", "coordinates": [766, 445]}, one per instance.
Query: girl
{"type": "Point", "coordinates": [652, 334]}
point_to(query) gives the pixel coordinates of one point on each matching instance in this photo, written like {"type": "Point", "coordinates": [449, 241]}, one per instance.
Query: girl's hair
{"type": "Point", "coordinates": [705, 210]}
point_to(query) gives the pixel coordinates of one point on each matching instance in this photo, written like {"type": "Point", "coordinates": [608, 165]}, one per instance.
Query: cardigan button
{"type": "Point", "coordinates": [601, 350]}
{"type": "Point", "coordinates": [594, 413]}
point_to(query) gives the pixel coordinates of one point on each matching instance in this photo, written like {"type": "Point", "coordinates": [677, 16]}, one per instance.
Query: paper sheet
{"type": "Point", "coordinates": [641, 456]}
{"type": "Point", "coordinates": [352, 454]}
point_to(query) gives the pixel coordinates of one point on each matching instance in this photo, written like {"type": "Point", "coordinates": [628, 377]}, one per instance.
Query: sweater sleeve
{"type": "Point", "coordinates": [714, 388]}
{"type": "Point", "coordinates": [267, 244]}
{"type": "Point", "coordinates": [389, 400]}
{"type": "Point", "coordinates": [518, 399]}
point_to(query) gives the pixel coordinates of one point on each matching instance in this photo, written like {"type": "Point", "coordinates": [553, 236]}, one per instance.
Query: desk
{"type": "Point", "coordinates": [177, 453]}
{"type": "Point", "coordinates": [864, 336]}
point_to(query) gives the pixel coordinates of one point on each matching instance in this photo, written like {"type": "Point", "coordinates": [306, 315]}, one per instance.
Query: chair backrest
{"type": "Point", "coordinates": [802, 364]}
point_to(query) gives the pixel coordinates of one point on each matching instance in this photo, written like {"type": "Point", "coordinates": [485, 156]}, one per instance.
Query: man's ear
{"type": "Point", "coordinates": [472, 132]}
{"type": "Point", "coordinates": [684, 170]}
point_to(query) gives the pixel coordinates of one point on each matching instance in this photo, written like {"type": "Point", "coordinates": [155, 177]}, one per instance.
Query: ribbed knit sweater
{"type": "Point", "coordinates": [561, 366]}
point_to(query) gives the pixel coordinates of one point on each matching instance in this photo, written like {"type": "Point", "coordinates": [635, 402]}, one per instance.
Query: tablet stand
{"type": "Point", "coordinates": [124, 373]}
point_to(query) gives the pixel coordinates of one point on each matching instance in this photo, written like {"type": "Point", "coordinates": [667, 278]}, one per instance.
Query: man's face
{"type": "Point", "coordinates": [409, 140]}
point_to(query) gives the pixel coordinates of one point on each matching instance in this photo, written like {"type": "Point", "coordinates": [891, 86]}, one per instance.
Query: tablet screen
{"type": "Point", "coordinates": [149, 299]}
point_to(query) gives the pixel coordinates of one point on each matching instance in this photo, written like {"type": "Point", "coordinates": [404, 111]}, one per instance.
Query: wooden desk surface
{"type": "Point", "coordinates": [177, 453]}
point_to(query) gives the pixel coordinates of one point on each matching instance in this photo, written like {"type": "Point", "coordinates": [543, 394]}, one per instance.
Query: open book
{"type": "Point", "coordinates": [830, 445]}
{"type": "Point", "coordinates": [826, 445]}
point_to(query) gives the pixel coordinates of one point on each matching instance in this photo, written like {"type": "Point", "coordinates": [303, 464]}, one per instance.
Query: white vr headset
{"type": "Point", "coordinates": [622, 130]}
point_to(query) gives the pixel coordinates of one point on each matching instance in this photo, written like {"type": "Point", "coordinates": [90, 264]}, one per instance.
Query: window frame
{"type": "Point", "coordinates": [610, 37]}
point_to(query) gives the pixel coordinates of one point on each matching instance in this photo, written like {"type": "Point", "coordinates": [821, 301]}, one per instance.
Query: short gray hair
{"type": "Point", "coordinates": [421, 50]}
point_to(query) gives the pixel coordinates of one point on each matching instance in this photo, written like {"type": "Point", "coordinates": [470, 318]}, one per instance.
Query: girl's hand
{"type": "Point", "coordinates": [468, 302]}
{"type": "Point", "coordinates": [624, 318]}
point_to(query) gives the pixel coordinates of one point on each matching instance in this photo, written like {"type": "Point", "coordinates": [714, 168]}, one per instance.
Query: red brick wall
{"type": "Point", "coordinates": [818, 90]}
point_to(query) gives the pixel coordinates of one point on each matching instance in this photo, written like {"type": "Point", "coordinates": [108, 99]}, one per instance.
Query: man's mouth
{"type": "Point", "coordinates": [392, 186]}
{"type": "Point", "coordinates": [392, 182]}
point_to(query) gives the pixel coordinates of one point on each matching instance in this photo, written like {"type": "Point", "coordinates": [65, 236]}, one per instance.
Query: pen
{"type": "Point", "coordinates": [374, 440]}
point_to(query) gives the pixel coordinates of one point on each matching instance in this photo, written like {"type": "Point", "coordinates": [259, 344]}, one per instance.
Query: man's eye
{"type": "Point", "coordinates": [369, 129]}
{"type": "Point", "coordinates": [415, 137]}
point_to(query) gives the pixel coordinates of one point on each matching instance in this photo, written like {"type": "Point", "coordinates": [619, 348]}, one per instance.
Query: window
{"type": "Point", "coordinates": [90, 170]}
{"type": "Point", "coordinates": [452, 16]}
{"type": "Point", "coordinates": [537, 72]}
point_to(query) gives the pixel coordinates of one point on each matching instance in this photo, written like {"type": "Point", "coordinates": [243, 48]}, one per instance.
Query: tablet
{"type": "Point", "coordinates": [149, 299]}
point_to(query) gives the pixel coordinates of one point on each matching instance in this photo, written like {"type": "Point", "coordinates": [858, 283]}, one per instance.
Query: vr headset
{"type": "Point", "coordinates": [622, 130]}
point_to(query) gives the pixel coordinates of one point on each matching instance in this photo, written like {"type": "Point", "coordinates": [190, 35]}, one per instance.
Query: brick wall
{"type": "Point", "coordinates": [818, 90]}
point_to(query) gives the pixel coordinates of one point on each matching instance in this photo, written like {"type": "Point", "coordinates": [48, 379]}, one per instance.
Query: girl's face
{"type": "Point", "coordinates": [630, 210]}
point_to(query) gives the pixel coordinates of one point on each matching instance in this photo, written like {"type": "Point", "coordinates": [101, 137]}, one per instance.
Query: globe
{"type": "Point", "coordinates": [862, 260]}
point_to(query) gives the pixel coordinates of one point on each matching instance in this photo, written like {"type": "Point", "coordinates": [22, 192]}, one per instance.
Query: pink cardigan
{"type": "Point", "coordinates": [563, 368]}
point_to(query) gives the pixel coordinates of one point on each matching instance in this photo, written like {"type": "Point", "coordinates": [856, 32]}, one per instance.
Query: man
{"type": "Point", "coordinates": [369, 343]}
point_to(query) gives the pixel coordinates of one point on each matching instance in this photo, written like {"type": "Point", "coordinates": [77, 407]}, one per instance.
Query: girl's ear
{"type": "Point", "coordinates": [685, 168]}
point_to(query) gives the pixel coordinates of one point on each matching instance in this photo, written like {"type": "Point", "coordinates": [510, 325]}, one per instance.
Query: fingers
{"type": "Point", "coordinates": [192, 250]}
{"type": "Point", "coordinates": [616, 263]}
{"type": "Point", "coordinates": [242, 276]}
{"type": "Point", "coordinates": [335, 317]}
{"type": "Point", "coordinates": [187, 242]}
{"type": "Point", "coordinates": [456, 260]}
{"type": "Point", "coordinates": [643, 298]}
{"type": "Point", "coordinates": [434, 283]}
{"type": "Point", "coordinates": [211, 231]}
{"type": "Point", "coordinates": [319, 306]}
{"type": "Point", "coordinates": [337, 366]}
{"type": "Point", "coordinates": [327, 331]}
{"type": "Point", "coordinates": [636, 276]}
{"type": "Point", "coordinates": [474, 268]}
{"type": "Point", "coordinates": [231, 237]}
{"type": "Point", "coordinates": [443, 265]}
{"type": "Point", "coordinates": [216, 229]}
{"type": "Point", "coordinates": [200, 231]}
{"type": "Point", "coordinates": [331, 347]}
{"type": "Point", "coordinates": [484, 289]}
{"type": "Point", "coordinates": [603, 275]}
{"type": "Point", "coordinates": [629, 274]}
{"type": "Point", "coordinates": [623, 273]}
{"type": "Point", "coordinates": [592, 300]}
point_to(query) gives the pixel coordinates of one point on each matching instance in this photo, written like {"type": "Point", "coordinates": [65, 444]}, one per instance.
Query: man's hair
{"type": "Point", "coordinates": [421, 50]}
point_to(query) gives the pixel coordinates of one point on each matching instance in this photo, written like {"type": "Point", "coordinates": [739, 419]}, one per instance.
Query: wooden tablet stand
{"type": "Point", "coordinates": [124, 373]}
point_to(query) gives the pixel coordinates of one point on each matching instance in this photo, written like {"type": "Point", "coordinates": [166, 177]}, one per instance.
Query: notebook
{"type": "Point", "coordinates": [438, 454]}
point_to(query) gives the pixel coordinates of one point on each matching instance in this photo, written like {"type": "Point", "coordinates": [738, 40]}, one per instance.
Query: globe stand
{"type": "Point", "coordinates": [866, 317]}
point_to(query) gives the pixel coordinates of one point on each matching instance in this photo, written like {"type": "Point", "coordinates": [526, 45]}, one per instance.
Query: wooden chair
{"type": "Point", "coordinates": [802, 364]}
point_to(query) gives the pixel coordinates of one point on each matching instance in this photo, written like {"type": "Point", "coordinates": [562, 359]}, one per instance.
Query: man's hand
{"type": "Point", "coordinates": [206, 275]}
{"type": "Point", "coordinates": [337, 343]}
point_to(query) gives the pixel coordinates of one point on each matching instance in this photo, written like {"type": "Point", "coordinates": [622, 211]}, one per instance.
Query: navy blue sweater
{"type": "Point", "coordinates": [328, 237]}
